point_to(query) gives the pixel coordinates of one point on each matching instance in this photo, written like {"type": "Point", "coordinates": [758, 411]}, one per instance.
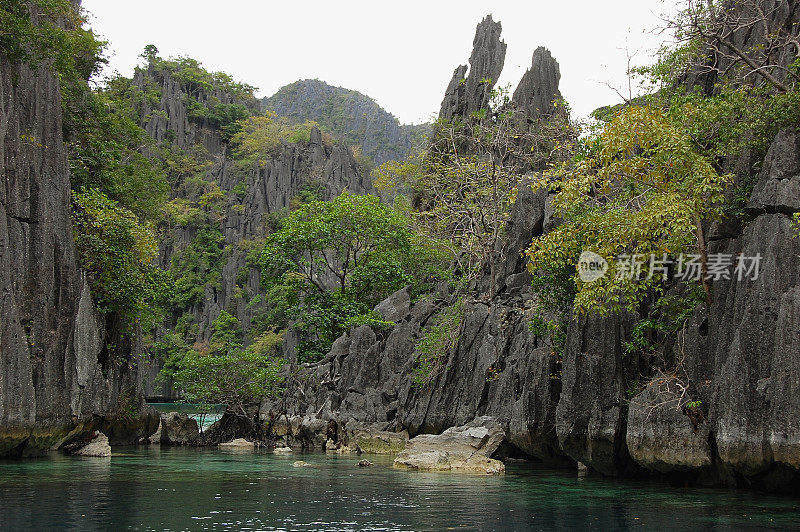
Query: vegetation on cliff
{"type": "Point", "coordinates": [349, 116]}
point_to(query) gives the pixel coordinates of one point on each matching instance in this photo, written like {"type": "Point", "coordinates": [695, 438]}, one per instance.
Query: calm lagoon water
{"type": "Point", "coordinates": [213, 489]}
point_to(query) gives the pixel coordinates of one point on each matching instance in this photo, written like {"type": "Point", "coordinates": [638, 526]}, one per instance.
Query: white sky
{"type": "Point", "coordinates": [402, 54]}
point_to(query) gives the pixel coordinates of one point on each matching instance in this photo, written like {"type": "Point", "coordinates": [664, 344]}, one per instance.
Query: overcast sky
{"type": "Point", "coordinates": [402, 54]}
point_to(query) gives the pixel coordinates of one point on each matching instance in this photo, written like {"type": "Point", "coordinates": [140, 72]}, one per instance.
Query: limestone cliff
{"type": "Point", "coordinates": [254, 193]}
{"type": "Point", "coordinates": [56, 373]}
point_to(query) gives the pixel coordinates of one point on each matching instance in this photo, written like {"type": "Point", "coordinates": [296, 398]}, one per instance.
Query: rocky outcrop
{"type": "Point", "coordinates": [591, 411]}
{"type": "Point", "coordinates": [97, 447]}
{"type": "Point", "coordinates": [177, 428]}
{"type": "Point", "coordinates": [741, 351]}
{"type": "Point", "coordinates": [749, 26]}
{"type": "Point", "coordinates": [778, 186]}
{"type": "Point", "coordinates": [378, 441]}
{"type": "Point", "coordinates": [538, 88]}
{"type": "Point", "coordinates": [255, 192]}
{"type": "Point", "coordinates": [58, 375]}
{"type": "Point", "coordinates": [718, 403]}
{"type": "Point", "coordinates": [470, 92]}
{"type": "Point", "coordinates": [665, 432]}
{"type": "Point", "coordinates": [239, 443]}
{"type": "Point", "coordinates": [467, 449]}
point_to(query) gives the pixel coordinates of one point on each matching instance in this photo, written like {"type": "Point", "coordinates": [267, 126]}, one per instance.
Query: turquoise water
{"type": "Point", "coordinates": [205, 416]}
{"type": "Point", "coordinates": [212, 489]}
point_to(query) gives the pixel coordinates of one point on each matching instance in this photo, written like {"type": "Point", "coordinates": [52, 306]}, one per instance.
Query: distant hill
{"type": "Point", "coordinates": [350, 116]}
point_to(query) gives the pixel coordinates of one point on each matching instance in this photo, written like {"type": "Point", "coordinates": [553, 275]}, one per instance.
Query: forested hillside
{"type": "Point", "coordinates": [351, 116]}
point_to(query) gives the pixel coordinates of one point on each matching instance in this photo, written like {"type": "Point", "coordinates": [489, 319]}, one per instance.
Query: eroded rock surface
{"type": "Point", "coordinates": [177, 428]}
{"type": "Point", "coordinates": [467, 448]}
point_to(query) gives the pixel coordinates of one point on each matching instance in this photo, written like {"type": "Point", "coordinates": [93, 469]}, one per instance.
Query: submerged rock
{"type": "Point", "coordinates": [301, 463]}
{"type": "Point", "coordinates": [239, 442]}
{"type": "Point", "coordinates": [282, 450]}
{"type": "Point", "coordinates": [380, 442]}
{"type": "Point", "coordinates": [468, 448]}
{"type": "Point", "coordinates": [364, 463]}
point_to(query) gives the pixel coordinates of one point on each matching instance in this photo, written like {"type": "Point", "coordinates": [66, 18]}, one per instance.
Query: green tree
{"type": "Point", "coordinates": [224, 372]}
{"type": "Point", "coordinates": [106, 152]}
{"type": "Point", "coordinates": [259, 136]}
{"type": "Point", "coordinates": [117, 251]}
{"type": "Point", "coordinates": [333, 261]}
{"type": "Point", "coordinates": [640, 189]}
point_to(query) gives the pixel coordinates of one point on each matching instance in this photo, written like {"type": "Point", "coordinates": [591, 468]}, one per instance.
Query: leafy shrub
{"type": "Point", "coordinates": [117, 251]}
{"type": "Point", "coordinates": [436, 344]}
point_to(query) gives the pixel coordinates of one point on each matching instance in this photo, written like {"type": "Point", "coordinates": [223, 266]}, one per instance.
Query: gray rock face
{"type": "Point", "coordinates": [778, 186]}
{"type": "Point", "coordinates": [737, 423]}
{"type": "Point", "coordinates": [395, 307]}
{"type": "Point", "coordinates": [539, 86]}
{"type": "Point", "coordinates": [177, 428]}
{"type": "Point", "coordinates": [56, 374]}
{"type": "Point", "coordinates": [468, 93]}
{"type": "Point", "coordinates": [747, 33]}
{"type": "Point", "coordinates": [663, 434]}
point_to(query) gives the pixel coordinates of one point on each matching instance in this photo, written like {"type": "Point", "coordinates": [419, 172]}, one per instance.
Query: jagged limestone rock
{"type": "Point", "coordinates": [778, 186]}
{"type": "Point", "coordinates": [177, 428]}
{"type": "Point", "coordinates": [538, 89]}
{"type": "Point", "coordinates": [662, 434]}
{"type": "Point", "coordinates": [470, 92]}
{"type": "Point", "coordinates": [54, 376]}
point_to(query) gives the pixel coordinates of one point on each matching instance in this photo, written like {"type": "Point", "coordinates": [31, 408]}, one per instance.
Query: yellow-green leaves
{"type": "Point", "coordinates": [259, 136]}
{"type": "Point", "coordinates": [640, 191]}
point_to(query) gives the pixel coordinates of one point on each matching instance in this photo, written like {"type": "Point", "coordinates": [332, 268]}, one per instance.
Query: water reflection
{"type": "Point", "coordinates": [204, 489]}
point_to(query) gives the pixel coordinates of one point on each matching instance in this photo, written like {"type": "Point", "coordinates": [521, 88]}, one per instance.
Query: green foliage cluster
{"type": "Point", "coordinates": [199, 210]}
{"type": "Point", "coordinates": [117, 251]}
{"type": "Point", "coordinates": [641, 188]}
{"type": "Point", "coordinates": [225, 372]}
{"type": "Point", "coordinates": [667, 316]}
{"type": "Point", "coordinates": [555, 290]}
{"type": "Point", "coordinates": [258, 137]}
{"type": "Point", "coordinates": [196, 80]}
{"type": "Point", "coordinates": [197, 267]}
{"type": "Point", "coordinates": [654, 172]}
{"type": "Point", "coordinates": [105, 152]}
{"type": "Point", "coordinates": [117, 191]}
{"type": "Point", "coordinates": [331, 262]}
{"type": "Point", "coordinates": [51, 34]}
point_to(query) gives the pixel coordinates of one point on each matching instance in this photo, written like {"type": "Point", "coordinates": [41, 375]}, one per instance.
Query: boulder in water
{"type": "Point", "coordinates": [239, 443]}
{"type": "Point", "coordinates": [98, 446]}
{"type": "Point", "coordinates": [177, 428]}
{"type": "Point", "coordinates": [468, 449]}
